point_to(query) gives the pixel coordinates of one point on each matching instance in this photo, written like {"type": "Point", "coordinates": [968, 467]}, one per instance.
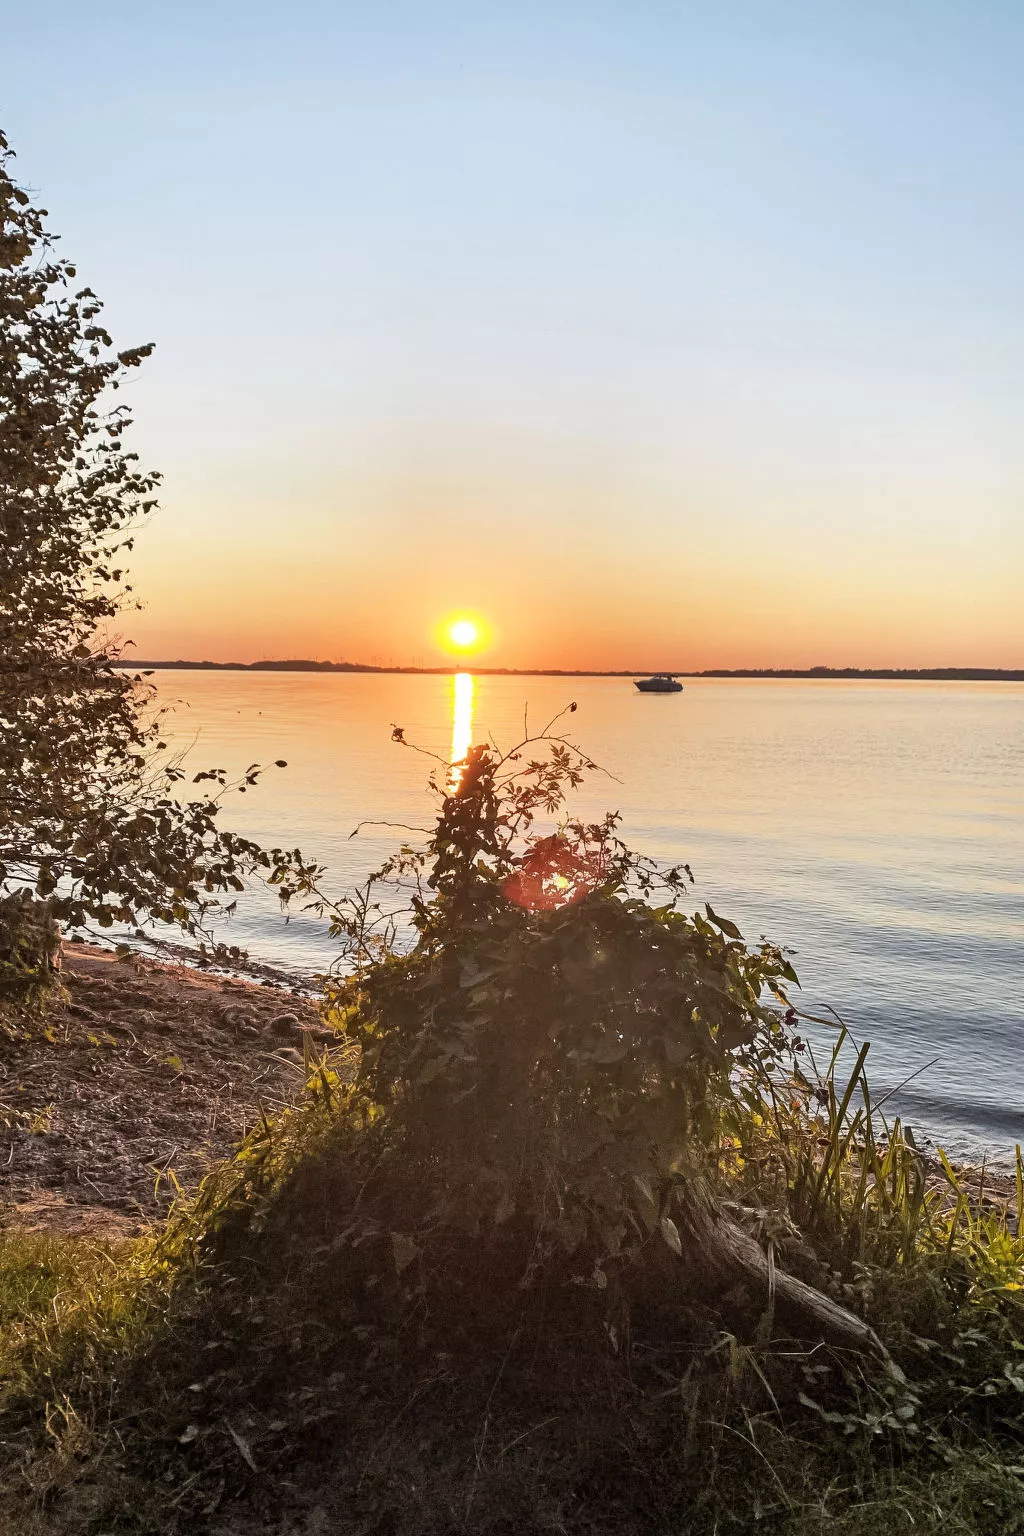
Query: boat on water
{"type": "Point", "coordinates": [661, 682]}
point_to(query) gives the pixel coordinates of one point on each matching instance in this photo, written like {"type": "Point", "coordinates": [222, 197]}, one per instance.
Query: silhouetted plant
{"type": "Point", "coordinates": [88, 817]}
{"type": "Point", "coordinates": [29, 949]}
{"type": "Point", "coordinates": [557, 1046]}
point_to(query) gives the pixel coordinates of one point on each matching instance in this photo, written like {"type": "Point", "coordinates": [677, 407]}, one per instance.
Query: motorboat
{"type": "Point", "coordinates": [661, 682]}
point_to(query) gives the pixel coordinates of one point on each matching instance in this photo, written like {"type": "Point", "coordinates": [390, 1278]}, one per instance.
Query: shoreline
{"type": "Point", "coordinates": [148, 1072]}
{"type": "Point", "coordinates": [768, 674]}
{"type": "Point", "coordinates": [135, 1082]}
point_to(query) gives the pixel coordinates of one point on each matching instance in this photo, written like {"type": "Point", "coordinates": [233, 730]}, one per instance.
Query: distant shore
{"type": "Point", "coordinates": [881, 674]}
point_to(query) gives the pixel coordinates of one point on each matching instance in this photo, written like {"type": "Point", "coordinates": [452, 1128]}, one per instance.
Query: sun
{"type": "Point", "coordinates": [463, 633]}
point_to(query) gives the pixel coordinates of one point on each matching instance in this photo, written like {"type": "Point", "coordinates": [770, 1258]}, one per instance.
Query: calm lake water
{"type": "Point", "coordinates": [876, 828]}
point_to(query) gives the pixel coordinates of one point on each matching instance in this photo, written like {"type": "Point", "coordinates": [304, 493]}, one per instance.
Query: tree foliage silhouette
{"type": "Point", "coordinates": [88, 817]}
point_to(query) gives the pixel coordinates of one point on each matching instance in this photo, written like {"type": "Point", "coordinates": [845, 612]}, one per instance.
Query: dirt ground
{"type": "Point", "coordinates": [144, 1070]}
{"type": "Point", "coordinates": [146, 1073]}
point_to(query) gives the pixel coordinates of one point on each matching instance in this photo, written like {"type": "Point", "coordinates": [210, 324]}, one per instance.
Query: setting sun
{"type": "Point", "coordinates": [463, 633]}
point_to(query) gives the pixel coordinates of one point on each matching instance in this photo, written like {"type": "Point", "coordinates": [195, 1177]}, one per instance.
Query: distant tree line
{"type": "Point", "coordinates": [898, 674]}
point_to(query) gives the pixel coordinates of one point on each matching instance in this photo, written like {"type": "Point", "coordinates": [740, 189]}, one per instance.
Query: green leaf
{"type": "Point", "coordinates": [643, 1185]}
{"type": "Point", "coordinates": [723, 923]}
{"type": "Point", "coordinates": [670, 1232]}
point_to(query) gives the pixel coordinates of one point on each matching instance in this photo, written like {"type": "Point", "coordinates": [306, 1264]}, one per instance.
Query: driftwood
{"type": "Point", "coordinates": [725, 1256]}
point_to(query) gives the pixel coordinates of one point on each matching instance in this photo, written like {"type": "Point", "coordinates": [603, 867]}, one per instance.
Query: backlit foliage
{"type": "Point", "coordinates": [88, 819]}
{"type": "Point", "coordinates": [561, 1037]}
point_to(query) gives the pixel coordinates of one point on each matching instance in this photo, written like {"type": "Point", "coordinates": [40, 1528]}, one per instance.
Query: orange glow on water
{"type": "Point", "coordinates": [463, 689]}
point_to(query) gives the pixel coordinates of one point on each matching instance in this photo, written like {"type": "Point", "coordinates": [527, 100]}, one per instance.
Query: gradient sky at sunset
{"type": "Point", "coordinates": [654, 334]}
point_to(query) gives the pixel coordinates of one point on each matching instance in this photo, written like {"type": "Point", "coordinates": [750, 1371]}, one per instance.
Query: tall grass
{"type": "Point", "coordinates": [858, 1187]}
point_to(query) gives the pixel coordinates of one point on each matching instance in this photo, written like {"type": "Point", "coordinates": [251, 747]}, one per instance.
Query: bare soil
{"type": "Point", "coordinates": [129, 1087]}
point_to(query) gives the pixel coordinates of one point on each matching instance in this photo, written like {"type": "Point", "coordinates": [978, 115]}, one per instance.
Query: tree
{"type": "Point", "coordinates": [88, 817]}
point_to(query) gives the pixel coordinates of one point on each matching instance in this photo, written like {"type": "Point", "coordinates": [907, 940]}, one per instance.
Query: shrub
{"type": "Point", "coordinates": [29, 949]}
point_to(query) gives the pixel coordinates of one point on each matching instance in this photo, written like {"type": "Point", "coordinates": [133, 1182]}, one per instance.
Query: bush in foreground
{"type": "Point", "coordinates": [562, 1241]}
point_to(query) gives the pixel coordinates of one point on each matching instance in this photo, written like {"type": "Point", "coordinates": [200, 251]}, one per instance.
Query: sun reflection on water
{"type": "Point", "coordinates": [462, 723]}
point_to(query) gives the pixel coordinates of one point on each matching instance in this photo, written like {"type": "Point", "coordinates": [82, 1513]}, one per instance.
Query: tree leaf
{"type": "Point", "coordinates": [670, 1232]}
{"type": "Point", "coordinates": [244, 1449]}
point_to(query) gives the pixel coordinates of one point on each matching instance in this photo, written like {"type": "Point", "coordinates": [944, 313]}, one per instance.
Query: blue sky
{"type": "Point", "coordinates": [682, 334]}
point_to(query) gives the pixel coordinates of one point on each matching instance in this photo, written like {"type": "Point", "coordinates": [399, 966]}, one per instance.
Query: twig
{"type": "Point", "coordinates": [403, 825]}
{"type": "Point", "coordinates": [899, 1086]}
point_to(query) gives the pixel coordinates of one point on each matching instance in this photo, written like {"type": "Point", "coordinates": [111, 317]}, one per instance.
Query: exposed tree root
{"type": "Point", "coordinates": [729, 1257]}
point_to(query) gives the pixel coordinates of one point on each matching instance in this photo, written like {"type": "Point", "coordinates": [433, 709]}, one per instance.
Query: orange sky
{"type": "Point", "coordinates": [576, 561]}
{"type": "Point", "coordinates": [660, 336]}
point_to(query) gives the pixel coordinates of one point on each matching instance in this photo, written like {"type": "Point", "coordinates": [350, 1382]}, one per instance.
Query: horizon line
{"type": "Point", "coordinates": [924, 674]}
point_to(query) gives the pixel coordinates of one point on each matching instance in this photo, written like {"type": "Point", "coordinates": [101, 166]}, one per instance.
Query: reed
{"type": "Point", "coordinates": [857, 1185]}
